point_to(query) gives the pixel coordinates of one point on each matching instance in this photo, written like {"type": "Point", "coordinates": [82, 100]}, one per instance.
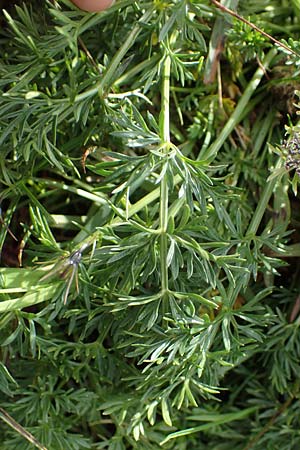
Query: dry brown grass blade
{"type": "Point", "coordinates": [17, 427]}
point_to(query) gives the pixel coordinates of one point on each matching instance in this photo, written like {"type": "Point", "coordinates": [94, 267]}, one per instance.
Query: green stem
{"type": "Point", "coordinates": [165, 103]}
{"type": "Point", "coordinates": [263, 202]}
{"type": "Point", "coordinates": [238, 113]}
{"type": "Point", "coordinates": [131, 73]}
{"type": "Point", "coordinates": [164, 194]}
{"type": "Point", "coordinates": [109, 76]}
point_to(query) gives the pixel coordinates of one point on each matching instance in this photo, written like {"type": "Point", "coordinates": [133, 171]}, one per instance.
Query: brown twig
{"type": "Point", "coordinates": [278, 413]}
{"type": "Point", "coordinates": [295, 310]}
{"type": "Point", "coordinates": [88, 54]}
{"type": "Point", "coordinates": [268, 425]}
{"type": "Point", "coordinates": [259, 30]}
{"type": "Point", "coordinates": [17, 427]}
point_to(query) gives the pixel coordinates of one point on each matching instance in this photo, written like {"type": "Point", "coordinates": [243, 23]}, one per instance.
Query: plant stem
{"type": "Point", "coordinates": [164, 194]}
{"type": "Point", "coordinates": [270, 423]}
{"type": "Point", "coordinates": [16, 426]}
{"type": "Point", "coordinates": [250, 24]}
{"type": "Point", "coordinates": [109, 76]}
{"type": "Point", "coordinates": [238, 113]}
{"type": "Point", "coordinates": [263, 202]}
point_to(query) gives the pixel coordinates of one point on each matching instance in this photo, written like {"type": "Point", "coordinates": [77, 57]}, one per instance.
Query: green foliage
{"type": "Point", "coordinates": [150, 302]}
{"type": "Point", "coordinates": [245, 42]}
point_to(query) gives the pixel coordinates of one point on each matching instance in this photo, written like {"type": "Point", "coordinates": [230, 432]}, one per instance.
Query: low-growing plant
{"type": "Point", "coordinates": [152, 300]}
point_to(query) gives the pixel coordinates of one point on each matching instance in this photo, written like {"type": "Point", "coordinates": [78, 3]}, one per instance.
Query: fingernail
{"type": "Point", "coordinates": [93, 5]}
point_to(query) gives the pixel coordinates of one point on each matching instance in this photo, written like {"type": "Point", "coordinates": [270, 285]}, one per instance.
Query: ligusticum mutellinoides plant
{"type": "Point", "coordinates": [149, 302]}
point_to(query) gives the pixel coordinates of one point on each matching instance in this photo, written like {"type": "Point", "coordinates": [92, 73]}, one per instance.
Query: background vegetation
{"type": "Point", "coordinates": [152, 299]}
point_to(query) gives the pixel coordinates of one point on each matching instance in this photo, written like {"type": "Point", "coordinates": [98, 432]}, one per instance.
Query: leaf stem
{"type": "Point", "coordinates": [109, 75]}
{"type": "Point", "coordinates": [164, 192]}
